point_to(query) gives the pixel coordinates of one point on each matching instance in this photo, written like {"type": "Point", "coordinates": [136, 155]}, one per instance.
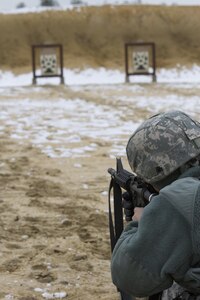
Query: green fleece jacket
{"type": "Point", "coordinates": [165, 245]}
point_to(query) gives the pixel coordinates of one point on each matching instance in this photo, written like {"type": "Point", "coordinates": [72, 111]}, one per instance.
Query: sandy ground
{"type": "Point", "coordinates": [53, 208]}
{"type": "Point", "coordinates": [54, 233]}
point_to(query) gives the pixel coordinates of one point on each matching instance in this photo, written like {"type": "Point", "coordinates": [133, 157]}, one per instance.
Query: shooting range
{"type": "Point", "coordinates": [75, 82]}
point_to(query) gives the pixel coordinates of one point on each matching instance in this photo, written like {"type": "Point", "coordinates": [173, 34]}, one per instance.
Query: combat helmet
{"type": "Point", "coordinates": [162, 144]}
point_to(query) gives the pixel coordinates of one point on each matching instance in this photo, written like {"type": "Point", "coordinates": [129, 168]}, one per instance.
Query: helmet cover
{"type": "Point", "coordinates": [162, 144]}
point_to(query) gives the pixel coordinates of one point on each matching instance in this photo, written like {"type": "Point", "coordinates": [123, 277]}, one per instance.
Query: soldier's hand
{"type": "Point", "coordinates": [128, 206]}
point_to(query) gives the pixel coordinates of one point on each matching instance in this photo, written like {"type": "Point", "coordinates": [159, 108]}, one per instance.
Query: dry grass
{"type": "Point", "coordinates": [95, 36]}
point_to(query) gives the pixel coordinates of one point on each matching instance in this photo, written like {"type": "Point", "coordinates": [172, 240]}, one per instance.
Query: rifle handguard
{"type": "Point", "coordinates": [121, 178]}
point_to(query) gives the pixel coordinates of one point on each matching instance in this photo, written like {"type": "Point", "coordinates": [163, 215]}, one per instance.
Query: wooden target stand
{"type": "Point", "coordinates": [47, 61]}
{"type": "Point", "coordinates": [140, 59]}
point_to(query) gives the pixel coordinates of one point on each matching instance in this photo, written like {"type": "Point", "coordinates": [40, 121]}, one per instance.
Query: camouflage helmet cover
{"type": "Point", "coordinates": [162, 144]}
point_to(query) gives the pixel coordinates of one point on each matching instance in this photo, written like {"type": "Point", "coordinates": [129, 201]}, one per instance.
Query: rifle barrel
{"type": "Point", "coordinates": [112, 172]}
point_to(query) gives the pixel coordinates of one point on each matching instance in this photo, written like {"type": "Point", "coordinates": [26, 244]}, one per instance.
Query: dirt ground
{"type": "Point", "coordinates": [54, 227]}
{"type": "Point", "coordinates": [53, 209]}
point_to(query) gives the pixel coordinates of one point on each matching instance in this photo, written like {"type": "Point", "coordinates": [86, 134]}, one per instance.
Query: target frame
{"type": "Point", "coordinates": [150, 48]}
{"type": "Point", "coordinates": [45, 48]}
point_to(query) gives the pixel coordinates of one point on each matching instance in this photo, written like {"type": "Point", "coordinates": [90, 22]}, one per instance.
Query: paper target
{"type": "Point", "coordinates": [141, 61]}
{"type": "Point", "coordinates": [48, 63]}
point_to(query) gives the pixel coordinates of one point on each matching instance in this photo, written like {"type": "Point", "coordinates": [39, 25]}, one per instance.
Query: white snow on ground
{"type": "Point", "coordinates": [104, 76]}
{"type": "Point", "coordinates": [63, 128]}
{"type": "Point", "coordinates": [53, 125]}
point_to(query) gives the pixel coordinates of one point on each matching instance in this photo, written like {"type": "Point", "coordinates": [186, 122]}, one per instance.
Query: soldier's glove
{"type": "Point", "coordinates": [128, 206]}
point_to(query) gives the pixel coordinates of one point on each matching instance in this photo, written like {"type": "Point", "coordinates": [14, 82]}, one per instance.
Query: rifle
{"type": "Point", "coordinates": [140, 195]}
{"type": "Point", "coordinates": [140, 192]}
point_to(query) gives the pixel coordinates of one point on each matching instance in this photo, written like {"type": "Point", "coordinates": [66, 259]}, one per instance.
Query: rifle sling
{"type": "Point", "coordinates": [116, 228]}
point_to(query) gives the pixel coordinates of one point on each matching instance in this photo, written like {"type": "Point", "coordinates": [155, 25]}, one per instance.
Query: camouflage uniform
{"type": "Point", "coordinates": [162, 251]}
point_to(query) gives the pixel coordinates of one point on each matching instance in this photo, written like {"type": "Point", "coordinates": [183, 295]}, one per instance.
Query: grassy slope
{"type": "Point", "coordinates": [96, 35]}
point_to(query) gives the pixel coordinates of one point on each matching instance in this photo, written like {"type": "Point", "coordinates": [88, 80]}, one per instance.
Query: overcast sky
{"type": "Point", "coordinates": [11, 4]}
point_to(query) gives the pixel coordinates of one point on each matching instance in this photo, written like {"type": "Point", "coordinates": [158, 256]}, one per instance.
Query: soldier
{"type": "Point", "coordinates": [159, 250]}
